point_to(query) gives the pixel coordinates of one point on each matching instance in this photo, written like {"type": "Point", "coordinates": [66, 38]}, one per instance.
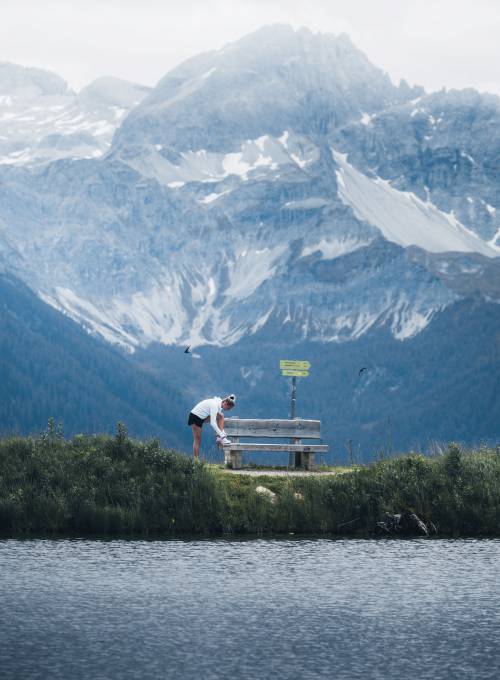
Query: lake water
{"type": "Point", "coordinates": [250, 609]}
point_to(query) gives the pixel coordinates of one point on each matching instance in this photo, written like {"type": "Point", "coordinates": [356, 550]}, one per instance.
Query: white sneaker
{"type": "Point", "coordinates": [223, 440]}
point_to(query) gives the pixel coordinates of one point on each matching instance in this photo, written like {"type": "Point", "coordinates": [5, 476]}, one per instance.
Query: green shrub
{"type": "Point", "coordinates": [101, 485]}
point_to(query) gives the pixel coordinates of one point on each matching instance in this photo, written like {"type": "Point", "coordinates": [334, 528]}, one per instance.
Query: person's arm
{"type": "Point", "coordinates": [213, 418]}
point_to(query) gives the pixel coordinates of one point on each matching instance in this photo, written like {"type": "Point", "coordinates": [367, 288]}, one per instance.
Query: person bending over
{"type": "Point", "coordinates": [210, 410]}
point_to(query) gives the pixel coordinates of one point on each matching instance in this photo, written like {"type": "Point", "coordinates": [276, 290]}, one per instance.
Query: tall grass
{"type": "Point", "coordinates": [101, 485]}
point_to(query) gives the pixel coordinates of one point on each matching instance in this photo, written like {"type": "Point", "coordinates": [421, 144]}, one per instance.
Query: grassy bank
{"type": "Point", "coordinates": [100, 485]}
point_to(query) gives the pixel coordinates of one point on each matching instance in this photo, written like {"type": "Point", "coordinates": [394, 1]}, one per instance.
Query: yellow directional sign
{"type": "Point", "coordinates": [290, 372]}
{"type": "Point", "coordinates": [292, 365]}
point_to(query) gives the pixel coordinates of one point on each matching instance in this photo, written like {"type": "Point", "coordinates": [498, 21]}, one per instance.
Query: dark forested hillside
{"type": "Point", "coordinates": [50, 367]}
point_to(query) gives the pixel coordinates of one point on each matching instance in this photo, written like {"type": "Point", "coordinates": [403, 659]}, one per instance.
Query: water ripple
{"type": "Point", "coordinates": [221, 609]}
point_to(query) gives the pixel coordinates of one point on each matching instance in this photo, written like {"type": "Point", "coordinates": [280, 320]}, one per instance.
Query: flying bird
{"type": "Point", "coordinates": [193, 354]}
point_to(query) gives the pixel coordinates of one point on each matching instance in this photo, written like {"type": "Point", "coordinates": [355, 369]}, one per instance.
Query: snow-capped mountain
{"type": "Point", "coordinates": [42, 120]}
{"type": "Point", "coordinates": [236, 199]}
{"type": "Point", "coordinates": [443, 147]}
{"type": "Point", "coordinates": [272, 80]}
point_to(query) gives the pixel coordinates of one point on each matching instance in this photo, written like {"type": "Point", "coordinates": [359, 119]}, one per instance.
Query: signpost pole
{"type": "Point", "coordinates": [291, 368]}
{"type": "Point", "coordinates": [292, 458]}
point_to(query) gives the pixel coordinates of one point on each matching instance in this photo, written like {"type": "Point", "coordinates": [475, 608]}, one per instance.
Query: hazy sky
{"type": "Point", "coordinates": [435, 43]}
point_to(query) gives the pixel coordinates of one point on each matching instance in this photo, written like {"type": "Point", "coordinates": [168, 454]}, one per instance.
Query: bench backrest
{"type": "Point", "coordinates": [303, 429]}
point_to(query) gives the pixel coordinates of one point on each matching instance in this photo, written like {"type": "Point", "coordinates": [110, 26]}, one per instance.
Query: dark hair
{"type": "Point", "coordinates": [231, 399]}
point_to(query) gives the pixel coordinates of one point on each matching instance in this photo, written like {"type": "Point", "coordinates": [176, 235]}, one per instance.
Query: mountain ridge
{"type": "Point", "coordinates": [261, 205]}
{"type": "Point", "coordinates": [43, 120]}
{"type": "Point", "coordinates": [264, 61]}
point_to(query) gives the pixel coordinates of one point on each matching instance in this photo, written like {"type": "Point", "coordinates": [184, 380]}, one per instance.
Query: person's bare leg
{"type": "Point", "coordinates": [196, 440]}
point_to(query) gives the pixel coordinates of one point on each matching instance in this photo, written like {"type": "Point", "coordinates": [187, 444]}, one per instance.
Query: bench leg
{"type": "Point", "coordinates": [309, 460]}
{"type": "Point", "coordinates": [296, 456]}
{"type": "Point", "coordinates": [233, 459]}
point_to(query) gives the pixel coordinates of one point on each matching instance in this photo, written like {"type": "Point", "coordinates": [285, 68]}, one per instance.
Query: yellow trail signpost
{"type": "Point", "coordinates": [293, 368]}
{"type": "Point", "coordinates": [292, 365]}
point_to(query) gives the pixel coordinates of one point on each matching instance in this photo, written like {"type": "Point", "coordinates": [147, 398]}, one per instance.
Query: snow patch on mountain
{"type": "Point", "coordinates": [254, 157]}
{"type": "Point", "coordinates": [156, 314]}
{"type": "Point", "coordinates": [408, 320]}
{"type": "Point", "coordinates": [402, 217]}
{"type": "Point", "coordinates": [250, 269]}
{"type": "Point", "coordinates": [92, 317]}
{"type": "Point", "coordinates": [331, 248]}
{"type": "Point", "coordinates": [495, 241]}
{"type": "Point", "coordinates": [213, 197]}
{"type": "Point", "coordinates": [178, 308]}
{"type": "Point", "coordinates": [311, 203]}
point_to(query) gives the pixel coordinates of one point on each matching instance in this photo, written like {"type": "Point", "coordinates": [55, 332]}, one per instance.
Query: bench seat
{"type": "Point", "coordinates": [317, 448]}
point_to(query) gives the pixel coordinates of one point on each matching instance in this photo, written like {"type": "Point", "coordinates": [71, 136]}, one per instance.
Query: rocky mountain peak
{"type": "Point", "coordinates": [272, 80]}
{"type": "Point", "coordinates": [111, 91]}
{"type": "Point", "coordinates": [27, 82]}
{"type": "Point", "coordinates": [43, 120]}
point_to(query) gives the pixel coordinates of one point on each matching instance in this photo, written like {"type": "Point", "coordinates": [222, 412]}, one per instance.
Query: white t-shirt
{"type": "Point", "coordinates": [209, 407]}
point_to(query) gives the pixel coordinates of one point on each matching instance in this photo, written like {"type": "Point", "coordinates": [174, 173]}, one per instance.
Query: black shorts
{"type": "Point", "coordinates": [195, 420]}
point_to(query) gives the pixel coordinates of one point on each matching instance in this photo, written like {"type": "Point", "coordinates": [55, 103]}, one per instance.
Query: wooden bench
{"type": "Point", "coordinates": [301, 455]}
